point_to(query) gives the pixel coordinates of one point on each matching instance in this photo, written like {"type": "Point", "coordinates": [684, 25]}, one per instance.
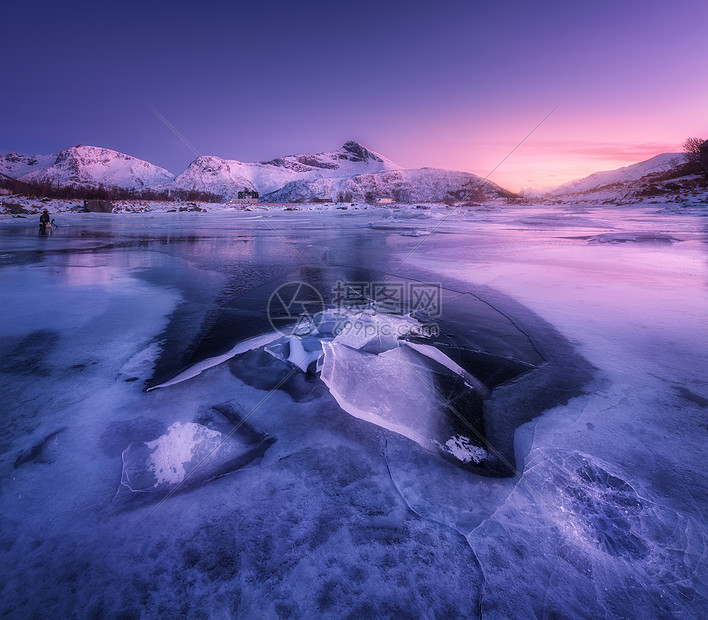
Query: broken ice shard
{"type": "Point", "coordinates": [409, 394]}
{"type": "Point", "coordinates": [186, 455]}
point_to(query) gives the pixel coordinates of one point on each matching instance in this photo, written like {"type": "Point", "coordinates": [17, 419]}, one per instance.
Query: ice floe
{"type": "Point", "coordinates": [187, 454]}
{"type": "Point", "coordinates": [391, 389]}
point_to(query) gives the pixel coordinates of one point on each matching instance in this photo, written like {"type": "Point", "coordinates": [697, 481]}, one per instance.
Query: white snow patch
{"type": "Point", "coordinates": [171, 452]}
{"type": "Point", "coordinates": [464, 450]}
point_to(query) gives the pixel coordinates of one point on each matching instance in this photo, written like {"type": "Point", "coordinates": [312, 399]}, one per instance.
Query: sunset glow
{"type": "Point", "coordinates": [455, 86]}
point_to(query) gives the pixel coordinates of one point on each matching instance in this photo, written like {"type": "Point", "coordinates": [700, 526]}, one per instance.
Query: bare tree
{"type": "Point", "coordinates": [692, 150]}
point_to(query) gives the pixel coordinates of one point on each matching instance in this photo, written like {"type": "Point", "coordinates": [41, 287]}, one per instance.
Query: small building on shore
{"type": "Point", "coordinates": [383, 200]}
{"type": "Point", "coordinates": [245, 197]}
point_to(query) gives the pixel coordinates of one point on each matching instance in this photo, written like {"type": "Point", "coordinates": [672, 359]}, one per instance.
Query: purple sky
{"type": "Point", "coordinates": [445, 84]}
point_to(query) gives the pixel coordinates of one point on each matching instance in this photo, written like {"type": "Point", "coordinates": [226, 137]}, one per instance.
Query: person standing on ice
{"type": "Point", "coordinates": [44, 220]}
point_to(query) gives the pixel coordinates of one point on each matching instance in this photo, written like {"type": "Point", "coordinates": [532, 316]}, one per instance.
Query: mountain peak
{"type": "Point", "coordinates": [357, 152]}
{"type": "Point", "coordinates": [351, 145]}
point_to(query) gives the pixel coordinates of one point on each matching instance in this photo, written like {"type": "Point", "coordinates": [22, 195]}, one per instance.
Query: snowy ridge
{"type": "Point", "coordinates": [625, 175]}
{"type": "Point", "coordinates": [17, 166]}
{"type": "Point", "coordinates": [224, 177]}
{"type": "Point", "coordinates": [91, 166]}
{"type": "Point", "coordinates": [213, 175]}
{"type": "Point", "coordinates": [350, 173]}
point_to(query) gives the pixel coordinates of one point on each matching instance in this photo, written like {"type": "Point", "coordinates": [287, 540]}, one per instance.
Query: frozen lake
{"type": "Point", "coordinates": [541, 455]}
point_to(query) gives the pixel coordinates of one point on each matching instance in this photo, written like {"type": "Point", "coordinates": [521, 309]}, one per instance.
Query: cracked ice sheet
{"type": "Point", "coordinates": [638, 314]}
{"type": "Point", "coordinates": [319, 529]}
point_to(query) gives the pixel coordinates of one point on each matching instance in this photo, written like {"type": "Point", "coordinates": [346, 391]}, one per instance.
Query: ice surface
{"type": "Point", "coordinates": [629, 237]}
{"type": "Point", "coordinates": [400, 390]}
{"type": "Point", "coordinates": [40, 452]}
{"type": "Point", "coordinates": [437, 355]}
{"type": "Point", "coordinates": [361, 361]}
{"type": "Point", "coordinates": [594, 353]}
{"type": "Point", "coordinates": [374, 332]}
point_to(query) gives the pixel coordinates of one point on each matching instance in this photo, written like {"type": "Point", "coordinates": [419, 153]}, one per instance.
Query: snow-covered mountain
{"type": "Point", "coordinates": [214, 175]}
{"type": "Point", "coordinates": [91, 166]}
{"type": "Point", "coordinates": [621, 180]}
{"type": "Point", "coordinates": [17, 166]}
{"type": "Point", "coordinates": [351, 172]}
{"type": "Point", "coordinates": [224, 177]}
{"type": "Point", "coordinates": [424, 185]}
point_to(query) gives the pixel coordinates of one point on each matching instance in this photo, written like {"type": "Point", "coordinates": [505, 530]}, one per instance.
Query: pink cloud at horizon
{"type": "Point", "coordinates": [546, 158]}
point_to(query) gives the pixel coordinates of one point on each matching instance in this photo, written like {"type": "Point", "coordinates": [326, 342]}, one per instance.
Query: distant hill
{"type": "Point", "coordinates": [666, 174]}
{"type": "Point", "coordinates": [624, 175]}
{"type": "Point", "coordinates": [17, 166]}
{"type": "Point", "coordinates": [226, 177]}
